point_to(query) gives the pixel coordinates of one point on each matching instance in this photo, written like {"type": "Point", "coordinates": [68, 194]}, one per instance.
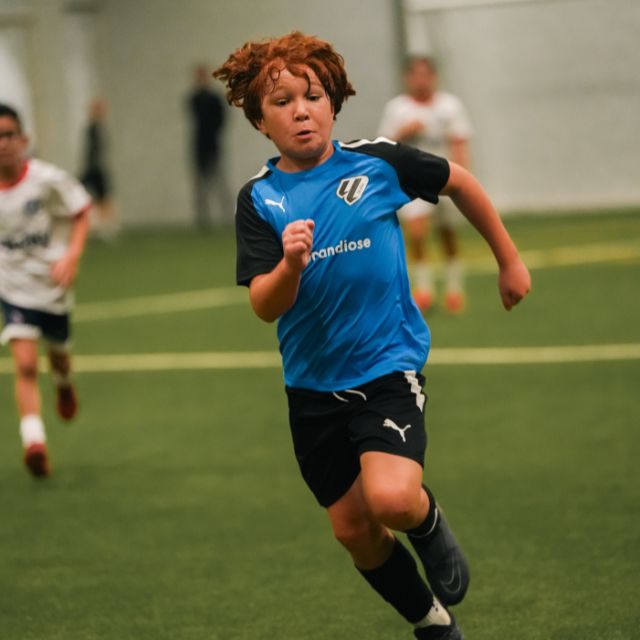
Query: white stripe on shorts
{"type": "Point", "coordinates": [410, 377]}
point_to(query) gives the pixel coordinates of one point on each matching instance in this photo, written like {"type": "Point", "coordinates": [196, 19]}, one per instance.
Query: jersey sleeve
{"type": "Point", "coordinates": [420, 174]}
{"type": "Point", "coordinates": [69, 193]}
{"type": "Point", "coordinates": [259, 249]}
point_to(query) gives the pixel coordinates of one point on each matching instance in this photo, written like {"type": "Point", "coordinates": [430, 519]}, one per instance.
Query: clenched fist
{"type": "Point", "coordinates": [297, 240]}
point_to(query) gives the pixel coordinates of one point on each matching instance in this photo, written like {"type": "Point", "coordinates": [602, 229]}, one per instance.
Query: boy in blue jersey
{"type": "Point", "coordinates": [320, 248]}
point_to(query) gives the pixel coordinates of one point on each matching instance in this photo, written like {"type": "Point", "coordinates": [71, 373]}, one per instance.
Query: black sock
{"type": "Point", "coordinates": [428, 524]}
{"type": "Point", "coordinates": [400, 584]}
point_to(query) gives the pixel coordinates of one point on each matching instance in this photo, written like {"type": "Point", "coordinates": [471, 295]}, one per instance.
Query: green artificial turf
{"type": "Point", "coordinates": [176, 511]}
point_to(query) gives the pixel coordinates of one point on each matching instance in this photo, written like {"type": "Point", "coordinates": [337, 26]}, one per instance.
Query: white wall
{"type": "Point", "coordinates": [52, 53]}
{"type": "Point", "coordinates": [15, 81]}
{"type": "Point", "coordinates": [554, 92]}
{"type": "Point", "coordinates": [149, 50]}
{"type": "Point", "coordinates": [553, 88]}
{"type": "Point", "coordinates": [82, 80]}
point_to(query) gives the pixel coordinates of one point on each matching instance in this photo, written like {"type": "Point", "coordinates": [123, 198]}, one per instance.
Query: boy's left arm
{"type": "Point", "coordinates": [64, 271]}
{"type": "Point", "coordinates": [470, 197]}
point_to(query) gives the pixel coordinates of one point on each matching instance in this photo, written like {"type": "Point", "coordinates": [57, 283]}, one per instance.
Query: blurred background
{"type": "Point", "coordinates": [552, 87]}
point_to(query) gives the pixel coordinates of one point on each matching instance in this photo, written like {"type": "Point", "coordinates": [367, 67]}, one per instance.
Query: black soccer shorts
{"type": "Point", "coordinates": [332, 430]}
{"type": "Point", "coordinates": [31, 323]}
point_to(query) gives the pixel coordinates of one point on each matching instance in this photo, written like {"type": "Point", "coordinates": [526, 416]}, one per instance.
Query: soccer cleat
{"type": "Point", "coordinates": [423, 299]}
{"type": "Point", "coordinates": [439, 632]}
{"type": "Point", "coordinates": [454, 302]}
{"type": "Point", "coordinates": [444, 563]}
{"type": "Point", "coordinates": [66, 402]}
{"type": "Point", "coordinates": [35, 457]}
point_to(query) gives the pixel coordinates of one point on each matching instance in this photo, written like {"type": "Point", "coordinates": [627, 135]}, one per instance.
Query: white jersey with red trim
{"type": "Point", "coordinates": [444, 118]}
{"type": "Point", "coordinates": [36, 213]}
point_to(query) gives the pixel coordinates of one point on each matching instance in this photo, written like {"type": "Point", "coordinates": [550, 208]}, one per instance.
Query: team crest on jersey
{"type": "Point", "coordinates": [351, 189]}
{"type": "Point", "coordinates": [32, 207]}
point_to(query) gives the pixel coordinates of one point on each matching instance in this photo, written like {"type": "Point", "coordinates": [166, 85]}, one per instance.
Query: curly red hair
{"type": "Point", "coordinates": [252, 71]}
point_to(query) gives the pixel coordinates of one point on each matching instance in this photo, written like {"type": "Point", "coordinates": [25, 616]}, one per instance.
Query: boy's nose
{"type": "Point", "coordinates": [300, 112]}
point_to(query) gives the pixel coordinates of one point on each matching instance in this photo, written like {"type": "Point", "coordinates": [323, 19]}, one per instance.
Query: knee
{"type": "Point", "coordinates": [395, 506]}
{"type": "Point", "coordinates": [27, 370]}
{"type": "Point", "coordinates": [354, 535]}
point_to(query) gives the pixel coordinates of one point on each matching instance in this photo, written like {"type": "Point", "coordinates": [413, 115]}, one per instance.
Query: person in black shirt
{"type": "Point", "coordinates": [208, 114]}
{"type": "Point", "coordinates": [95, 175]}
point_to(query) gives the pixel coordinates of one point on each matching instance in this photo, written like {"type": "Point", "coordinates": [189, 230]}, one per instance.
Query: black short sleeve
{"type": "Point", "coordinates": [420, 174]}
{"type": "Point", "coordinates": [259, 249]}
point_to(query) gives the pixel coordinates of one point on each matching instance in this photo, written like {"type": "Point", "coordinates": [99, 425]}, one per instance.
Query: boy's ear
{"type": "Point", "coordinates": [262, 129]}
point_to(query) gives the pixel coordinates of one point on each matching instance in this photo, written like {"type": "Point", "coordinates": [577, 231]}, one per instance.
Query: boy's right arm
{"type": "Point", "coordinates": [274, 293]}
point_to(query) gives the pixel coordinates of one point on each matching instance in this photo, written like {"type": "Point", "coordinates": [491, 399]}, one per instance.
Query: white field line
{"type": "Point", "coordinates": [271, 359]}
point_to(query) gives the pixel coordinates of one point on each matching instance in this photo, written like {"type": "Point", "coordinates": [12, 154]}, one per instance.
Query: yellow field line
{"type": "Point", "coordinates": [165, 303]}
{"type": "Point", "coordinates": [271, 359]}
{"type": "Point", "coordinates": [566, 257]}
{"type": "Point", "coordinates": [535, 355]}
{"type": "Point", "coordinates": [227, 296]}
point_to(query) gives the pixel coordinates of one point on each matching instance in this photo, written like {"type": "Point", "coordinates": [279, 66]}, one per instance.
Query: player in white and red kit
{"type": "Point", "coordinates": [437, 122]}
{"type": "Point", "coordinates": [43, 228]}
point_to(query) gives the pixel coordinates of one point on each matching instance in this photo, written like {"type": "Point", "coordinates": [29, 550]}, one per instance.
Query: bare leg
{"type": "Point", "coordinates": [32, 433]}
{"type": "Point", "coordinates": [25, 357]}
{"type": "Point", "coordinates": [421, 272]}
{"type": "Point", "coordinates": [60, 361]}
{"type": "Point", "coordinates": [66, 399]}
{"type": "Point", "coordinates": [417, 234]}
{"type": "Point", "coordinates": [454, 298]}
{"type": "Point", "coordinates": [380, 558]}
{"type": "Point", "coordinates": [355, 527]}
{"type": "Point", "coordinates": [392, 486]}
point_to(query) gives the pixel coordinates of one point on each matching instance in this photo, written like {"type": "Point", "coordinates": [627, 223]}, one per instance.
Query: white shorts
{"type": "Point", "coordinates": [445, 212]}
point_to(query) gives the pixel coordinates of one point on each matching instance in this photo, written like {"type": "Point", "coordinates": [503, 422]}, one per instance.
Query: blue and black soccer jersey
{"type": "Point", "coordinates": [354, 319]}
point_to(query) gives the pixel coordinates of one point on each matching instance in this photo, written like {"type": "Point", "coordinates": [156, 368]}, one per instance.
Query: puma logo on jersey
{"type": "Point", "coordinates": [390, 424]}
{"type": "Point", "coordinates": [351, 189]}
{"type": "Point", "coordinates": [274, 203]}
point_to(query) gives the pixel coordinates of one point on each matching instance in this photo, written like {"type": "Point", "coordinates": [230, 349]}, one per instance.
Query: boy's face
{"type": "Point", "coordinates": [12, 145]}
{"type": "Point", "coordinates": [298, 117]}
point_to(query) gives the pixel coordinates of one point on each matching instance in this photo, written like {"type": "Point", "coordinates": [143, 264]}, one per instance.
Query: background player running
{"type": "Point", "coordinates": [437, 122]}
{"type": "Point", "coordinates": [43, 227]}
{"type": "Point", "coordinates": [320, 248]}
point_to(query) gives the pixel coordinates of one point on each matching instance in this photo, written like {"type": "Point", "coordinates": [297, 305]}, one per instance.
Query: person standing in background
{"type": "Point", "coordinates": [95, 175]}
{"type": "Point", "coordinates": [436, 122]}
{"type": "Point", "coordinates": [44, 221]}
{"type": "Point", "coordinates": [208, 115]}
